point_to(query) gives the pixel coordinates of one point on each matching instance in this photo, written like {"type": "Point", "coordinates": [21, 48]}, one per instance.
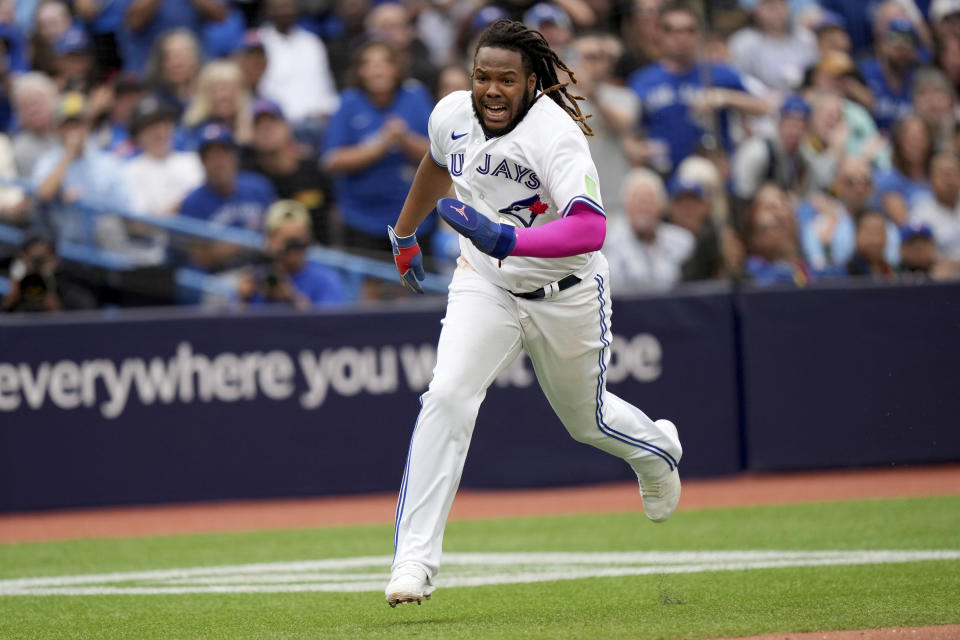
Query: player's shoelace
{"type": "Point", "coordinates": [652, 490]}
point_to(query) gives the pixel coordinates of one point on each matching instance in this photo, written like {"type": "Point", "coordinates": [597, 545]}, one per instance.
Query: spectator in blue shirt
{"type": "Point", "coordinates": [374, 143]}
{"type": "Point", "coordinates": [227, 197]}
{"type": "Point", "coordinates": [290, 278]}
{"type": "Point", "coordinates": [685, 102]}
{"type": "Point", "coordinates": [889, 74]}
{"type": "Point", "coordinates": [145, 20]}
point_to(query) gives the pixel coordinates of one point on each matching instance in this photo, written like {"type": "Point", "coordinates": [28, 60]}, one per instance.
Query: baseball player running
{"type": "Point", "coordinates": [530, 277]}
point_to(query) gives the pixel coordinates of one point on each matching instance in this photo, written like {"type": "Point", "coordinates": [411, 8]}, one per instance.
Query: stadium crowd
{"type": "Point", "coordinates": [768, 141]}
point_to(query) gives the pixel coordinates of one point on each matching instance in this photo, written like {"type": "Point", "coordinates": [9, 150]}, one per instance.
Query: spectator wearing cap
{"type": "Point", "coordinates": [773, 49]}
{"type": "Point", "coordinates": [831, 31]}
{"type": "Point", "coordinates": [144, 21]}
{"type": "Point", "coordinates": [77, 170]}
{"type": "Point", "coordinates": [173, 69]}
{"type": "Point", "coordinates": [918, 253]}
{"type": "Point", "coordinates": [836, 72]}
{"type": "Point", "coordinates": [860, 21]}
{"type": "Point", "coordinates": [291, 168]}
{"type": "Point", "coordinates": [35, 104]}
{"type": "Point", "coordinates": [827, 222]}
{"type": "Point", "coordinates": [51, 20]}
{"type": "Point", "coordinates": [102, 20]}
{"type": "Point", "coordinates": [227, 197]}
{"type": "Point", "coordinates": [392, 23]}
{"type": "Point", "coordinates": [159, 178]}
{"type": "Point", "coordinates": [374, 144]}
{"type": "Point", "coordinates": [222, 98]}
{"type": "Point", "coordinates": [773, 252]}
{"type": "Point", "coordinates": [941, 210]}
{"type": "Point", "coordinates": [74, 62]}
{"type": "Point", "coordinates": [251, 57]}
{"type": "Point", "coordinates": [644, 250]}
{"type": "Point", "coordinates": [298, 75]}
{"type": "Point", "coordinates": [868, 258]}
{"type": "Point", "coordinates": [889, 74]}
{"type": "Point", "coordinates": [291, 279]}
{"type": "Point", "coordinates": [776, 159]}
{"type": "Point", "coordinates": [554, 23]}
{"type": "Point", "coordinates": [945, 17]}
{"type": "Point", "coordinates": [690, 209]}
{"type": "Point", "coordinates": [902, 185]}
{"type": "Point", "coordinates": [686, 102]}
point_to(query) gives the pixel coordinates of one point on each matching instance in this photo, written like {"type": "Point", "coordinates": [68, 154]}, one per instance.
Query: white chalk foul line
{"type": "Point", "coordinates": [370, 573]}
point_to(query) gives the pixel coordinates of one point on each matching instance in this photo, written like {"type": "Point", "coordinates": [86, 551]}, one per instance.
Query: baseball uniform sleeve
{"type": "Point", "coordinates": [568, 172]}
{"type": "Point", "coordinates": [439, 128]}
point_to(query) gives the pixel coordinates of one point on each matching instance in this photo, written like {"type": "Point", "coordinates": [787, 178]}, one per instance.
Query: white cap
{"type": "Point", "coordinates": [940, 9]}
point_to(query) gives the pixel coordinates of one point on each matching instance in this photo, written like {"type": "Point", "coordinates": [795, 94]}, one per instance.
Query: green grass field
{"type": "Point", "coordinates": [664, 602]}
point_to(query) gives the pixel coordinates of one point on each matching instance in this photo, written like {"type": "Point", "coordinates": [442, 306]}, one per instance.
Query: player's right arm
{"type": "Point", "coordinates": [431, 183]}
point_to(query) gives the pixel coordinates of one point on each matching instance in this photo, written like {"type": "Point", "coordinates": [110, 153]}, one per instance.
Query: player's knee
{"type": "Point", "coordinates": [453, 401]}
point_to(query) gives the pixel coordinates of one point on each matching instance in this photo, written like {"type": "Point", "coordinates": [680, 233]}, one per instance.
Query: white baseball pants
{"type": "Point", "coordinates": [567, 339]}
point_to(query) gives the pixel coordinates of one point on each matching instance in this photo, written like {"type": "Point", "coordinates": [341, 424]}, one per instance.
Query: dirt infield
{"type": "Point", "coordinates": [743, 489]}
{"type": "Point", "coordinates": [944, 632]}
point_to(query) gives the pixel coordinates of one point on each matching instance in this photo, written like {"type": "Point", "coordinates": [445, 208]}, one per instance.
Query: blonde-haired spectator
{"type": "Point", "coordinates": [222, 97]}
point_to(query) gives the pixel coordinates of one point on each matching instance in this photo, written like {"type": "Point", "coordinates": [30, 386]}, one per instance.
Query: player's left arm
{"type": "Point", "coordinates": [570, 177]}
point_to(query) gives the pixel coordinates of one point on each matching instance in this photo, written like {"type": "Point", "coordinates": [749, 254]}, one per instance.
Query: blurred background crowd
{"type": "Point", "coordinates": [252, 152]}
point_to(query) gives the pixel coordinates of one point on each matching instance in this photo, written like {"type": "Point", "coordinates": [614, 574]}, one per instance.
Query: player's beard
{"type": "Point", "coordinates": [524, 107]}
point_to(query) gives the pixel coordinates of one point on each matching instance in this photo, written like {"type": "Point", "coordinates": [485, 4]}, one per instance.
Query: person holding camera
{"type": "Point", "coordinates": [39, 283]}
{"type": "Point", "coordinates": [289, 278]}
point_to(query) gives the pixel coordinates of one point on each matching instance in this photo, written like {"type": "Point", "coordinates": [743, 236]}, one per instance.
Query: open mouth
{"type": "Point", "coordinates": [495, 112]}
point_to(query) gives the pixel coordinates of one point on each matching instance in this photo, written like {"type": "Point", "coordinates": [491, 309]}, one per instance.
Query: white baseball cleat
{"type": "Point", "coordinates": [409, 583]}
{"type": "Point", "coordinates": [659, 481]}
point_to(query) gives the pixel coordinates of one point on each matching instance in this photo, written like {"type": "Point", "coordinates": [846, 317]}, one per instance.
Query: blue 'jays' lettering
{"type": "Point", "coordinates": [456, 164]}
{"type": "Point", "coordinates": [503, 170]}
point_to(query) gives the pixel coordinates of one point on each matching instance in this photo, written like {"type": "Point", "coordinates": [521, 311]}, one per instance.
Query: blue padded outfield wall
{"type": "Point", "coordinates": [175, 405]}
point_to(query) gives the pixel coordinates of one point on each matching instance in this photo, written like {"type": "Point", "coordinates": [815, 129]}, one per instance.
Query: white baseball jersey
{"type": "Point", "coordinates": [528, 177]}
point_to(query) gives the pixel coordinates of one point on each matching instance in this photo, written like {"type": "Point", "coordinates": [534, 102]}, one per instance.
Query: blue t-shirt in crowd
{"type": "Point", "coordinates": [371, 199]}
{"type": "Point", "coordinates": [888, 105]}
{"type": "Point", "coordinates": [243, 209]}
{"type": "Point", "coordinates": [665, 103]}
{"type": "Point", "coordinates": [135, 46]}
{"type": "Point", "coordinates": [887, 180]}
{"type": "Point", "coordinates": [323, 286]}
{"type": "Point", "coordinates": [110, 18]}
{"type": "Point", "coordinates": [16, 45]}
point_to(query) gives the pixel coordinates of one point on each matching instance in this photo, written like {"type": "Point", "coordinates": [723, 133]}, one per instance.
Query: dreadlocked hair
{"type": "Point", "coordinates": [540, 59]}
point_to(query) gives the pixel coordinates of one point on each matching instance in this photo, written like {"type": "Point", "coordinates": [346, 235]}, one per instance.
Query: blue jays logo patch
{"type": "Point", "coordinates": [519, 209]}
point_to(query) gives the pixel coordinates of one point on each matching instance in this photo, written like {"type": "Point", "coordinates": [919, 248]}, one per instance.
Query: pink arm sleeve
{"type": "Point", "coordinates": [581, 231]}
